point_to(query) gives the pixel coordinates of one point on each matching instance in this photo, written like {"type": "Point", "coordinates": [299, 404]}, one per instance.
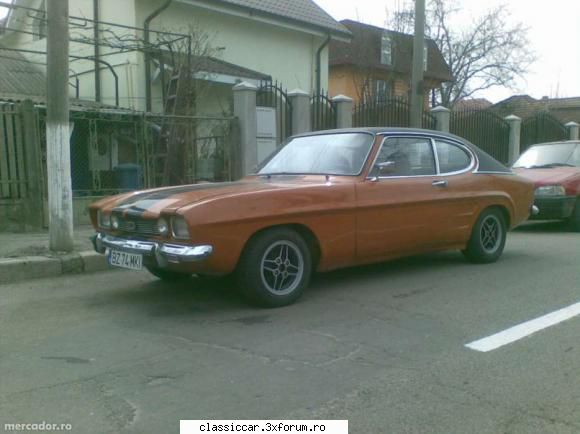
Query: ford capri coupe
{"type": "Point", "coordinates": [322, 201]}
{"type": "Point", "coordinates": [554, 168]}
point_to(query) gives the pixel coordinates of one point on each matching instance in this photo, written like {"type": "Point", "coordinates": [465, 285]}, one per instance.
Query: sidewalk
{"type": "Point", "coordinates": [26, 256]}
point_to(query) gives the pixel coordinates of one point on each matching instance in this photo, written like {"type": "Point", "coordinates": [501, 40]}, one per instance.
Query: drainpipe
{"type": "Point", "coordinates": [146, 36]}
{"type": "Point", "coordinates": [97, 52]}
{"type": "Point", "coordinates": [319, 64]}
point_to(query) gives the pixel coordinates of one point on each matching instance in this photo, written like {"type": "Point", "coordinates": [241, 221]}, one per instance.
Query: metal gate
{"type": "Point", "coordinates": [541, 128]}
{"type": "Point", "coordinates": [275, 96]}
{"type": "Point", "coordinates": [394, 112]}
{"type": "Point", "coordinates": [322, 112]}
{"type": "Point", "coordinates": [484, 129]}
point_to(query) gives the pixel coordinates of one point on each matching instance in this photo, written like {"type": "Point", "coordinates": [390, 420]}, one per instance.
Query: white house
{"type": "Point", "coordinates": [253, 40]}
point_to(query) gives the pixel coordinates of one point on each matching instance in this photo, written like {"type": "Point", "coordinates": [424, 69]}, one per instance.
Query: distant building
{"type": "Point", "coordinates": [377, 64]}
{"type": "Point", "coordinates": [472, 104]}
{"type": "Point", "coordinates": [524, 106]}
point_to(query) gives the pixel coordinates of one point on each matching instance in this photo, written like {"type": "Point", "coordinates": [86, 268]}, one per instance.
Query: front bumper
{"type": "Point", "coordinates": [162, 253]}
{"type": "Point", "coordinates": [554, 208]}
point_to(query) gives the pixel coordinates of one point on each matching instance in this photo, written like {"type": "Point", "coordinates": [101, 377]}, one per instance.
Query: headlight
{"type": "Point", "coordinates": [162, 226]}
{"type": "Point", "coordinates": [115, 222]}
{"type": "Point", "coordinates": [551, 190]}
{"type": "Point", "coordinates": [179, 227]}
{"type": "Point", "coordinates": [104, 220]}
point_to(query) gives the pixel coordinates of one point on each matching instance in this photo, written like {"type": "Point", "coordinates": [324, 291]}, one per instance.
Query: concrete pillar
{"type": "Point", "coordinates": [515, 124]}
{"type": "Point", "coordinates": [301, 121]}
{"type": "Point", "coordinates": [573, 130]}
{"type": "Point", "coordinates": [344, 107]}
{"type": "Point", "coordinates": [442, 118]}
{"type": "Point", "coordinates": [245, 111]}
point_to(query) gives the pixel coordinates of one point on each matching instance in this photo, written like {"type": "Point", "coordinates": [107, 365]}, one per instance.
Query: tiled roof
{"type": "Point", "coordinates": [472, 104]}
{"type": "Point", "coordinates": [301, 11]}
{"type": "Point", "coordinates": [212, 65]}
{"type": "Point", "coordinates": [19, 77]}
{"type": "Point", "coordinates": [366, 39]}
{"type": "Point", "coordinates": [524, 106]}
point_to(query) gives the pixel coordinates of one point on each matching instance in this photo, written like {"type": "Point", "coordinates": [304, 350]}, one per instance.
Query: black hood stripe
{"type": "Point", "coordinates": [138, 204]}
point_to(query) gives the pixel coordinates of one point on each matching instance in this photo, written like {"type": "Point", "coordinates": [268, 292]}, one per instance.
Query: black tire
{"type": "Point", "coordinates": [483, 246]}
{"type": "Point", "coordinates": [575, 218]}
{"type": "Point", "coordinates": [267, 282]}
{"type": "Point", "coordinates": [168, 275]}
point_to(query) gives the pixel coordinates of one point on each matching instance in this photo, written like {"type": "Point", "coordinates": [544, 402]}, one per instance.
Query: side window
{"type": "Point", "coordinates": [575, 159]}
{"type": "Point", "coordinates": [451, 157]}
{"type": "Point", "coordinates": [406, 157]}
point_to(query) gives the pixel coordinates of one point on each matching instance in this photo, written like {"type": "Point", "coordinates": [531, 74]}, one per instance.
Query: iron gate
{"type": "Point", "coordinates": [394, 112]}
{"type": "Point", "coordinates": [541, 128]}
{"type": "Point", "coordinates": [275, 96]}
{"type": "Point", "coordinates": [322, 112]}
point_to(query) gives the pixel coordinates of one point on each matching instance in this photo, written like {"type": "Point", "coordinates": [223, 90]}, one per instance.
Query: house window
{"type": "Point", "coordinates": [39, 23]}
{"type": "Point", "coordinates": [386, 49]}
{"type": "Point", "coordinates": [383, 90]}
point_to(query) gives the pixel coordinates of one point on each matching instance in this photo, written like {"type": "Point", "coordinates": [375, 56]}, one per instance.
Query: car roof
{"type": "Point", "coordinates": [486, 161]}
{"type": "Point", "coordinates": [561, 142]}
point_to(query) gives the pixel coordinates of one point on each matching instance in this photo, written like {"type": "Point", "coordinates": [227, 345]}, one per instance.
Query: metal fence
{"type": "Point", "coordinates": [394, 112]}
{"type": "Point", "coordinates": [115, 151]}
{"type": "Point", "coordinates": [13, 179]}
{"type": "Point", "coordinates": [275, 96]}
{"type": "Point", "coordinates": [484, 129]}
{"type": "Point", "coordinates": [542, 128]}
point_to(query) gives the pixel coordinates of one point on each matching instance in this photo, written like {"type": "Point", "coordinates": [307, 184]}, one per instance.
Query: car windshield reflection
{"type": "Point", "coordinates": [326, 154]}
{"type": "Point", "coordinates": [549, 156]}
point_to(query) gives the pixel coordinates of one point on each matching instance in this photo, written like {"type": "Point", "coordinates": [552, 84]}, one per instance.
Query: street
{"type": "Point", "coordinates": [383, 346]}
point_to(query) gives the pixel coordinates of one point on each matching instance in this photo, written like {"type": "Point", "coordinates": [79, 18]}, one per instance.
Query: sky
{"type": "Point", "coordinates": [554, 35]}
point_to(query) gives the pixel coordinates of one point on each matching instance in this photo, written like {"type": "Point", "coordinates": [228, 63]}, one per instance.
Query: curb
{"type": "Point", "coordinates": [38, 267]}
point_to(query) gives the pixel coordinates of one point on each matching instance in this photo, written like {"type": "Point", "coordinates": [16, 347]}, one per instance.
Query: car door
{"type": "Point", "coordinates": [407, 208]}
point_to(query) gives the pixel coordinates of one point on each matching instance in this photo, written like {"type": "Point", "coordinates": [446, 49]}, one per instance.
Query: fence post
{"type": "Point", "coordinates": [34, 202]}
{"type": "Point", "coordinates": [515, 124]}
{"type": "Point", "coordinates": [573, 130]}
{"type": "Point", "coordinates": [301, 122]}
{"type": "Point", "coordinates": [343, 111]}
{"type": "Point", "coordinates": [442, 117]}
{"type": "Point", "coordinates": [245, 111]}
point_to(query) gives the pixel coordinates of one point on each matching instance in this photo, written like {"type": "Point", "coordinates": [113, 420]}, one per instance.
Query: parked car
{"type": "Point", "coordinates": [323, 201]}
{"type": "Point", "coordinates": [555, 170]}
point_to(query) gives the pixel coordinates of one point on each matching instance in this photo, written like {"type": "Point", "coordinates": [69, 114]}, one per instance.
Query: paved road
{"type": "Point", "coordinates": [382, 346]}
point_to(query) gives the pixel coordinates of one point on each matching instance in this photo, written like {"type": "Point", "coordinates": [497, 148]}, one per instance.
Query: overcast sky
{"type": "Point", "coordinates": [554, 36]}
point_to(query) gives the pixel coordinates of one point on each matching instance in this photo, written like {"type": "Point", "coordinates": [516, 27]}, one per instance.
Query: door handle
{"type": "Point", "coordinates": [440, 183]}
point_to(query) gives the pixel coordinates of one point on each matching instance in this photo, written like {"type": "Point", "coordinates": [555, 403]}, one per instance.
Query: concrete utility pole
{"type": "Point", "coordinates": [417, 91]}
{"type": "Point", "coordinates": [57, 128]}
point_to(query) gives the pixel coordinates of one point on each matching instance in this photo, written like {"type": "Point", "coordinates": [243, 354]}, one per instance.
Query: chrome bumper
{"type": "Point", "coordinates": [163, 253]}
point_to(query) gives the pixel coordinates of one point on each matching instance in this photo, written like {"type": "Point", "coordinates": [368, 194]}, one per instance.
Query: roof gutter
{"type": "Point", "coordinates": [319, 63]}
{"type": "Point", "coordinates": [147, 38]}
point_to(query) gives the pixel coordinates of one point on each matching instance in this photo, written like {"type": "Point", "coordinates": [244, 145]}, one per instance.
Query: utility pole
{"type": "Point", "coordinates": [417, 91]}
{"type": "Point", "coordinates": [57, 128]}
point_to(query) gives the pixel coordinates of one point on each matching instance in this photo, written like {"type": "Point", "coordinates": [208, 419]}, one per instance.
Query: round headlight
{"type": "Point", "coordinates": [162, 226]}
{"type": "Point", "coordinates": [104, 219]}
{"type": "Point", "coordinates": [115, 222]}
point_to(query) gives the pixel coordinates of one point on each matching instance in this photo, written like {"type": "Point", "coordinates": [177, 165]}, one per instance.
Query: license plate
{"type": "Point", "coordinates": [131, 261]}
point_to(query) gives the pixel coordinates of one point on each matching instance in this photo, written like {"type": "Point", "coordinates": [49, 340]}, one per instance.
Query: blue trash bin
{"type": "Point", "coordinates": [128, 176]}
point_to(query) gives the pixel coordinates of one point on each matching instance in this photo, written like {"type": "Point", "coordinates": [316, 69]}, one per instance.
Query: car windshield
{"type": "Point", "coordinates": [326, 154]}
{"type": "Point", "coordinates": [552, 155]}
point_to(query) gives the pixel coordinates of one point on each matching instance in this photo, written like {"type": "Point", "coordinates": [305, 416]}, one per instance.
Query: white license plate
{"type": "Point", "coordinates": [125, 260]}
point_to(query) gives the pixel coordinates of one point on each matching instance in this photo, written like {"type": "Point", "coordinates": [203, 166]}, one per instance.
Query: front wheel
{"type": "Point", "coordinates": [575, 218]}
{"type": "Point", "coordinates": [487, 238]}
{"type": "Point", "coordinates": [275, 268]}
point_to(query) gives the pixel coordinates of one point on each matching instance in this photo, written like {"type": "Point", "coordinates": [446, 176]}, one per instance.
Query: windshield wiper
{"type": "Point", "coordinates": [547, 166]}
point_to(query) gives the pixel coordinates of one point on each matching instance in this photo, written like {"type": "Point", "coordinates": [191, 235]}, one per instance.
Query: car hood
{"type": "Point", "coordinates": [170, 199]}
{"type": "Point", "coordinates": [554, 175]}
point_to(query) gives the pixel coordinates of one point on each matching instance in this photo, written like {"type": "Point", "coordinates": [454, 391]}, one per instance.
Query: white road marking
{"type": "Point", "coordinates": [524, 329]}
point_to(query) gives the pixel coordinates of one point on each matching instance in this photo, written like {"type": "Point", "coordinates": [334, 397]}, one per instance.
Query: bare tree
{"type": "Point", "coordinates": [491, 51]}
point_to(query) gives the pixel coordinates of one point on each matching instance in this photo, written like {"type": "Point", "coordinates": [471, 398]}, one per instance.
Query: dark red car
{"type": "Point", "coordinates": [555, 170]}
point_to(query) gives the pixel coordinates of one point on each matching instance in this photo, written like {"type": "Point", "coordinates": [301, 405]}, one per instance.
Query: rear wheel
{"type": "Point", "coordinates": [275, 268]}
{"type": "Point", "coordinates": [575, 218]}
{"type": "Point", "coordinates": [487, 238]}
{"type": "Point", "coordinates": [167, 275]}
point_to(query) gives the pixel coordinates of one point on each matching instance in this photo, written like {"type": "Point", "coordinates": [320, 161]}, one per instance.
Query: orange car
{"type": "Point", "coordinates": [322, 201]}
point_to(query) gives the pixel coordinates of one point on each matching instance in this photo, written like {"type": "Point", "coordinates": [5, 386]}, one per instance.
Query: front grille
{"type": "Point", "coordinates": [138, 226]}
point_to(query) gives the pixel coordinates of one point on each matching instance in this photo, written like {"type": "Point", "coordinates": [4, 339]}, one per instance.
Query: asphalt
{"type": "Point", "coordinates": [382, 346]}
